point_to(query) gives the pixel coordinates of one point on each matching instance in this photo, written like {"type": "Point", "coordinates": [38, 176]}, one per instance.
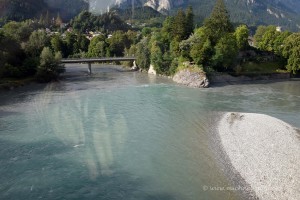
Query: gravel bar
{"type": "Point", "coordinates": [266, 153]}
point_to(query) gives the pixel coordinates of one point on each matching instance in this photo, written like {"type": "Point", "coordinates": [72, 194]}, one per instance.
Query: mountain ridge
{"type": "Point", "coordinates": [285, 13]}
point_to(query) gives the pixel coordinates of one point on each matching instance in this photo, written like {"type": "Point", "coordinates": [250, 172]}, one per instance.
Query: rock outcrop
{"type": "Point", "coordinates": [192, 78]}
{"type": "Point", "coordinates": [151, 70]}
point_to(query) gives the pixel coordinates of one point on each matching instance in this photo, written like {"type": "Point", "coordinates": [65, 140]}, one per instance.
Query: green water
{"type": "Point", "coordinates": [124, 135]}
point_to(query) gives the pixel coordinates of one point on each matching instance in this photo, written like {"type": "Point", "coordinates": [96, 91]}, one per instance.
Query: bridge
{"type": "Point", "coordinates": [89, 61]}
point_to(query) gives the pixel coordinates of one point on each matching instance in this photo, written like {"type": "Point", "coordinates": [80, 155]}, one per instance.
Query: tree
{"type": "Point", "coordinates": [279, 41]}
{"type": "Point", "coordinates": [218, 23]}
{"type": "Point", "coordinates": [11, 56]}
{"type": "Point", "coordinates": [291, 51]}
{"type": "Point", "coordinates": [225, 52]}
{"type": "Point", "coordinates": [294, 60]}
{"type": "Point", "coordinates": [82, 42]}
{"type": "Point", "coordinates": [290, 43]}
{"type": "Point", "coordinates": [117, 43]}
{"type": "Point", "coordinates": [268, 38]}
{"type": "Point", "coordinates": [142, 54]}
{"type": "Point", "coordinates": [82, 22]}
{"type": "Point", "coordinates": [19, 31]}
{"type": "Point", "coordinates": [167, 28]}
{"type": "Point", "coordinates": [58, 45]}
{"type": "Point", "coordinates": [201, 52]}
{"type": "Point", "coordinates": [189, 21]}
{"type": "Point", "coordinates": [97, 47]}
{"type": "Point", "coordinates": [179, 26]}
{"type": "Point", "coordinates": [37, 41]}
{"type": "Point", "coordinates": [41, 20]}
{"type": "Point", "coordinates": [47, 21]}
{"type": "Point", "coordinates": [58, 20]}
{"type": "Point", "coordinates": [50, 67]}
{"type": "Point", "coordinates": [241, 34]}
{"type": "Point", "coordinates": [157, 57]}
{"type": "Point", "coordinates": [260, 31]}
{"type": "Point", "coordinates": [71, 43]}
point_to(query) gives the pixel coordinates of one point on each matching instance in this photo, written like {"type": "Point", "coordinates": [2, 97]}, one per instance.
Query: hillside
{"type": "Point", "coordinates": [19, 10]}
{"type": "Point", "coordinates": [285, 13]}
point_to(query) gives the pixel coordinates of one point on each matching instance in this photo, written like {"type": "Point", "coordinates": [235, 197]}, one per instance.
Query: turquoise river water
{"type": "Point", "coordinates": [124, 135]}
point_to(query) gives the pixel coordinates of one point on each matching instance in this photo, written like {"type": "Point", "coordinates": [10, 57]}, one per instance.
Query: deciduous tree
{"type": "Point", "coordinates": [241, 34]}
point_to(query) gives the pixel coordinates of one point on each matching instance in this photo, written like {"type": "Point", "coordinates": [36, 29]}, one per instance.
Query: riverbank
{"type": "Point", "coordinates": [10, 84]}
{"type": "Point", "coordinates": [265, 151]}
{"type": "Point", "coordinates": [229, 79]}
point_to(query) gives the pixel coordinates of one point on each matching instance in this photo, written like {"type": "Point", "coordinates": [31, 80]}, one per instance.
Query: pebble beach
{"type": "Point", "coordinates": [265, 151]}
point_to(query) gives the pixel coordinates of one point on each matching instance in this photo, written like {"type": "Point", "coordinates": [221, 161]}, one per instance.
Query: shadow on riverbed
{"type": "Point", "coordinates": [36, 170]}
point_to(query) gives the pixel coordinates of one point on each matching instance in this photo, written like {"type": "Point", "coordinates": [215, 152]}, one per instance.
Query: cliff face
{"type": "Point", "coordinates": [159, 5]}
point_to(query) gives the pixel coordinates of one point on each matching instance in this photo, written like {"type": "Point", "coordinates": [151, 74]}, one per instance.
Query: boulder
{"type": "Point", "coordinates": [192, 78]}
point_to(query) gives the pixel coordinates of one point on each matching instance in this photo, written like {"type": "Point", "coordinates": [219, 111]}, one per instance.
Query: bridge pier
{"type": "Point", "coordinates": [90, 68]}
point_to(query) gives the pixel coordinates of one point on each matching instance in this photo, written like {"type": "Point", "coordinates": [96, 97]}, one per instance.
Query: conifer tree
{"type": "Point", "coordinates": [179, 26]}
{"type": "Point", "coordinates": [47, 20]}
{"type": "Point", "coordinates": [218, 23]}
{"type": "Point", "coordinates": [42, 20]}
{"type": "Point", "coordinates": [58, 20]}
{"type": "Point", "coordinates": [189, 21]}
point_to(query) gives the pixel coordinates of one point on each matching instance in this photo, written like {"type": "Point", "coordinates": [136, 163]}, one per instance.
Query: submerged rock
{"type": "Point", "coordinates": [192, 78]}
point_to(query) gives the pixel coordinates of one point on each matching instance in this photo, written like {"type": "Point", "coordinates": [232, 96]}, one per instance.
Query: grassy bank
{"type": "Point", "coordinates": [260, 68]}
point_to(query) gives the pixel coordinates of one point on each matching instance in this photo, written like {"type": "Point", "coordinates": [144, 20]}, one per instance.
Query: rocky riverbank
{"type": "Point", "coordinates": [265, 151]}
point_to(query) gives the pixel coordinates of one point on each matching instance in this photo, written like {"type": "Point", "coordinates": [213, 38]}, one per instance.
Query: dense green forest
{"type": "Point", "coordinates": [29, 48]}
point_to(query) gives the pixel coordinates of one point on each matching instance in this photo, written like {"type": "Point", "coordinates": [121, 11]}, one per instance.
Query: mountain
{"type": "Point", "coordinates": [19, 10]}
{"type": "Point", "coordinates": [67, 8]}
{"type": "Point", "coordinates": [285, 13]}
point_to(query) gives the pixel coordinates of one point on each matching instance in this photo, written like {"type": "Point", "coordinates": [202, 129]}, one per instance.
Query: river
{"type": "Point", "coordinates": [124, 135]}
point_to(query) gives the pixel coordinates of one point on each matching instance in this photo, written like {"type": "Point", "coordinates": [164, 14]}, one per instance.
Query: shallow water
{"type": "Point", "coordinates": [123, 135]}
